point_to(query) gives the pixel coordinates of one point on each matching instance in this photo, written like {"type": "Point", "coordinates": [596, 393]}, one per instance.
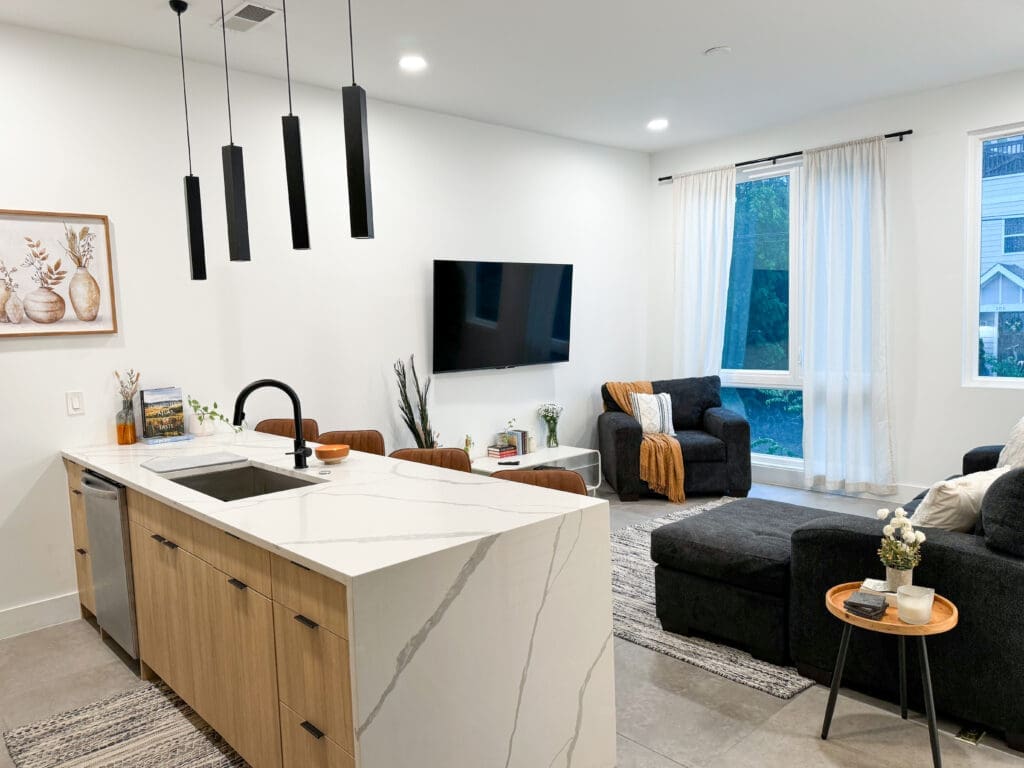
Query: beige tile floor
{"type": "Point", "coordinates": [670, 714]}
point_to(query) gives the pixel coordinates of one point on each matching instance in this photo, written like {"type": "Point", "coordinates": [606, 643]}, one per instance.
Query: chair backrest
{"type": "Point", "coordinates": [286, 428]}
{"type": "Point", "coordinates": [690, 398]}
{"type": "Point", "coordinates": [556, 479]}
{"type": "Point", "coordinates": [449, 458]}
{"type": "Point", "coordinates": [365, 440]}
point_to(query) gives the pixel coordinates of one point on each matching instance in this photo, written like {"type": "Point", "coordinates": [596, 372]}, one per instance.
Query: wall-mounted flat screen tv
{"type": "Point", "coordinates": [500, 314]}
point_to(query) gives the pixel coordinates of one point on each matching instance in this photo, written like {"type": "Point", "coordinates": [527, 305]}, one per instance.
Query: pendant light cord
{"type": "Point", "coordinates": [351, 44]}
{"type": "Point", "coordinates": [227, 79]}
{"type": "Point", "coordinates": [184, 90]}
{"type": "Point", "coordinates": [287, 60]}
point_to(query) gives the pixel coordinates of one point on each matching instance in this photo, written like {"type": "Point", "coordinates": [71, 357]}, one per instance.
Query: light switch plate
{"type": "Point", "coordinates": [75, 402]}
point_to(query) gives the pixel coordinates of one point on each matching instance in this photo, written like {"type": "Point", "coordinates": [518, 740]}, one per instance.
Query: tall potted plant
{"type": "Point", "coordinates": [422, 431]}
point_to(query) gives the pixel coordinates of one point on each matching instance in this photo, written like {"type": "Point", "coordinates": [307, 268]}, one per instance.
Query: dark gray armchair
{"type": "Point", "coordinates": [715, 441]}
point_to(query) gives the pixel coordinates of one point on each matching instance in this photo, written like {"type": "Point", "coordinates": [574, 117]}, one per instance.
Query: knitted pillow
{"type": "Point", "coordinates": [654, 412]}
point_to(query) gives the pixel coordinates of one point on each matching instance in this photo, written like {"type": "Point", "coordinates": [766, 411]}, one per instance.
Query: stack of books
{"type": "Point", "coordinates": [866, 605]}
{"type": "Point", "coordinates": [501, 451]}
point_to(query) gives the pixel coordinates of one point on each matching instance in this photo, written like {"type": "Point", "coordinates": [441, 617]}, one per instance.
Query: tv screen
{"type": "Point", "coordinates": [494, 314]}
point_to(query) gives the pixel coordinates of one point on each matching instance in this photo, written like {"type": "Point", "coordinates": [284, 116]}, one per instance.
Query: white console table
{"type": "Point", "coordinates": [586, 461]}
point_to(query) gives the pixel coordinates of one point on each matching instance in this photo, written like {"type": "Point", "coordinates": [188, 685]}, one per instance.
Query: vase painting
{"type": "Point", "coordinates": [55, 274]}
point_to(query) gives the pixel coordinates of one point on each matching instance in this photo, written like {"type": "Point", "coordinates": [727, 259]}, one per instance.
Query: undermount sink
{"type": "Point", "coordinates": [242, 482]}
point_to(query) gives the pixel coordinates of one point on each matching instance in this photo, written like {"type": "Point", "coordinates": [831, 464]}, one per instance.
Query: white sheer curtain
{"type": "Point", "coordinates": [847, 442]}
{"type": "Point", "coordinates": [703, 222]}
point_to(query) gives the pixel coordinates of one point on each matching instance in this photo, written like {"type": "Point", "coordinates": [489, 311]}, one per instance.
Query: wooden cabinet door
{"type": "Point", "coordinates": [236, 673]}
{"type": "Point", "coordinates": [307, 748]}
{"type": "Point", "coordinates": [80, 536]}
{"type": "Point", "coordinates": [164, 579]}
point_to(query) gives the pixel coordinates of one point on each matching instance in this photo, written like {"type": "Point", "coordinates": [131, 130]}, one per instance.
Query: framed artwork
{"type": "Point", "coordinates": [55, 274]}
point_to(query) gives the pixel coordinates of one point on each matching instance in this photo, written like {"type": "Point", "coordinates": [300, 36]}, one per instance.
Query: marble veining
{"type": "Point", "coordinates": [417, 640]}
{"type": "Point", "coordinates": [369, 513]}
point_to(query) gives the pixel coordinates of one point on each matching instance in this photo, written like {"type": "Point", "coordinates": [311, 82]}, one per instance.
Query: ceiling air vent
{"type": "Point", "coordinates": [247, 16]}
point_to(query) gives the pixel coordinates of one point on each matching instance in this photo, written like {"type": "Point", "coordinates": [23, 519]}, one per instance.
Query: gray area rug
{"type": "Point", "coordinates": [635, 620]}
{"type": "Point", "coordinates": [147, 727]}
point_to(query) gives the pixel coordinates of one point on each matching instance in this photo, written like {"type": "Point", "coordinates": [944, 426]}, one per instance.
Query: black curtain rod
{"type": "Point", "coordinates": [775, 158]}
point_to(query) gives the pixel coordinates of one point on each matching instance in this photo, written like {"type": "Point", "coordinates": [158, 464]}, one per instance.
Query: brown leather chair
{"type": "Point", "coordinates": [365, 440]}
{"type": "Point", "coordinates": [556, 479]}
{"type": "Point", "coordinates": [286, 428]}
{"type": "Point", "coordinates": [449, 458]}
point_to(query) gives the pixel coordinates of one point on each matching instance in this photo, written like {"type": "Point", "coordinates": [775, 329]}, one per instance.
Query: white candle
{"type": "Point", "coordinates": [914, 604]}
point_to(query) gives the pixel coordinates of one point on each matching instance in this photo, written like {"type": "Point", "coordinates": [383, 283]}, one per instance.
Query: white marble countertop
{"type": "Point", "coordinates": [370, 513]}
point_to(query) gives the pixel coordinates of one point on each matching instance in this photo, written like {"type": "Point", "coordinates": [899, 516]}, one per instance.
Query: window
{"type": "Point", "coordinates": [760, 358]}
{"type": "Point", "coordinates": [1013, 235]}
{"type": "Point", "coordinates": [995, 336]}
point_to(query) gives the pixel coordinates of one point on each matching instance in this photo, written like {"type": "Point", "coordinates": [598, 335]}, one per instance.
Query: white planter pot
{"type": "Point", "coordinates": [897, 579]}
{"type": "Point", "coordinates": [196, 429]}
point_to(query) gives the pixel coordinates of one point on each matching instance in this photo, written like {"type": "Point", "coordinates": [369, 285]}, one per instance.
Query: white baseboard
{"type": "Point", "coordinates": [44, 613]}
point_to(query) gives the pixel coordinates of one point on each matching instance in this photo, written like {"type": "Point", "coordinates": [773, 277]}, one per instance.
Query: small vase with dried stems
{"type": "Point", "coordinates": [83, 289]}
{"type": "Point", "coordinates": [43, 305]}
{"type": "Point", "coordinates": [128, 385]}
{"type": "Point", "coordinates": [421, 430]}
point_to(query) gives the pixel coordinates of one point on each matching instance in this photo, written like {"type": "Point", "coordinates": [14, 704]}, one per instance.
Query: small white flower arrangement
{"type": "Point", "coordinates": [901, 544]}
{"type": "Point", "coordinates": [551, 412]}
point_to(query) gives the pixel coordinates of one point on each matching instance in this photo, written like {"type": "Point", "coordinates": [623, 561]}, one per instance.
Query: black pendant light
{"type": "Point", "coordinates": [234, 175]}
{"type": "Point", "coordinates": [293, 157]}
{"type": "Point", "coordinates": [193, 206]}
{"type": "Point", "coordinates": [357, 150]}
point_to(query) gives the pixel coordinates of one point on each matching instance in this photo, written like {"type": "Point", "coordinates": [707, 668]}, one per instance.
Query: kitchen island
{"type": "Point", "coordinates": [390, 614]}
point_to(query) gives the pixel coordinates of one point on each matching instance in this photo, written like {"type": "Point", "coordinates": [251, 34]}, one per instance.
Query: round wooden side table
{"type": "Point", "coordinates": [944, 618]}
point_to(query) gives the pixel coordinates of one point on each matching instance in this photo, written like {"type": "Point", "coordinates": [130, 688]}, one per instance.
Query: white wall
{"type": "Point", "coordinates": [98, 129]}
{"type": "Point", "coordinates": [935, 418]}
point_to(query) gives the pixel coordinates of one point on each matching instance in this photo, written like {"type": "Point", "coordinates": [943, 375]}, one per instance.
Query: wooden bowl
{"type": "Point", "coordinates": [331, 454]}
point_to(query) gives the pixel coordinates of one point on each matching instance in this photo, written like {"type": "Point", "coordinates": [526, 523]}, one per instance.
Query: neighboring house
{"type": "Point", "coordinates": [1002, 248]}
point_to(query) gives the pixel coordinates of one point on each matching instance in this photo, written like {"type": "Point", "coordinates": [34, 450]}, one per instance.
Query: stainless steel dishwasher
{"type": "Point", "coordinates": [106, 516]}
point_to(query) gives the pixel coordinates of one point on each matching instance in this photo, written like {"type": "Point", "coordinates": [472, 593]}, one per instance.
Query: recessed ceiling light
{"type": "Point", "coordinates": [412, 63]}
{"type": "Point", "coordinates": [718, 50]}
{"type": "Point", "coordinates": [657, 124]}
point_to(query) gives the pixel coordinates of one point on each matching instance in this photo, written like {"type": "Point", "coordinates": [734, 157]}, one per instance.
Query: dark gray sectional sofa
{"type": "Point", "coordinates": [721, 576]}
{"type": "Point", "coordinates": [715, 441]}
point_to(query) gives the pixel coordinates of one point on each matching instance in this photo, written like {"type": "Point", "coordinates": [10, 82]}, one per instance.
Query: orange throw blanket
{"type": "Point", "coordinates": [661, 458]}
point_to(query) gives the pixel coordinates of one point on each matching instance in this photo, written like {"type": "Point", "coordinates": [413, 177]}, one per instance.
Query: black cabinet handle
{"type": "Point", "coordinates": [233, 535]}
{"type": "Point", "coordinates": [238, 584]}
{"type": "Point", "coordinates": [300, 565]}
{"type": "Point", "coordinates": [158, 538]}
{"type": "Point", "coordinates": [305, 621]}
{"type": "Point", "coordinates": [80, 551]}
{"type": "Point", "coordinates": [315, 732]}
{"type": "Point", "coordinates": [76, 492]}
{"type": "Point", "coordinates": [169, 544]}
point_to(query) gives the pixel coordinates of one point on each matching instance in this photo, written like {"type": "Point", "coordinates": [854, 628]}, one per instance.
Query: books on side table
{"type": "Point", "coordinates": [866, 605]}
{"type": "Point", "coordinates": [879, 587]}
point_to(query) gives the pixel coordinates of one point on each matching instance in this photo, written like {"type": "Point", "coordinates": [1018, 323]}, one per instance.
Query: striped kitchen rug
{"type": "Point", "coordinates": [148, 727]}
{"type": "Point", "coordinates": [635, 620]}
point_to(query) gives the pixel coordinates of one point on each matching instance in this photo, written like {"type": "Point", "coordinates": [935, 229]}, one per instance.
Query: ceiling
{"type": "Point", "coordinates": [594, 70]}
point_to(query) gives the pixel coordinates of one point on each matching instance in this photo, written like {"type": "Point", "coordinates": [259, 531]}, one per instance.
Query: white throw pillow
{"type": "Point", "coordinates": [1012, 454]}
{"type": "Point", "coordinates": [953, 505]}
{"type": "Point", "coordinates": [654, 412]}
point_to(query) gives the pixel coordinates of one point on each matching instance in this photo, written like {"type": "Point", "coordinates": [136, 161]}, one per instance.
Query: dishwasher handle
{"type": "Point", "coordinates": [93, 489]}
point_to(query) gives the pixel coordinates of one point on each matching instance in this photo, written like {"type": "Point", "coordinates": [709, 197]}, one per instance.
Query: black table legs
{"type": "Point", "coordinates": [929, 703]}
{"type": "Point", "coordinates": [903, 677]}
{"type": "Point", "coordinates": [837, 679]}
{"type": "Point", "coordinates": [926, 680]}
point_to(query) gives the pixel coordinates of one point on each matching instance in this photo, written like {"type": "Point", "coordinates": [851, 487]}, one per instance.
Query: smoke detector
{"type": "Point", "coordinates": [247, 16]}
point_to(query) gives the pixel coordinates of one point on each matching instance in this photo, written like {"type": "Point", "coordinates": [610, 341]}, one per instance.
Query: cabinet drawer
{"type": "Point", "coordinates": [237, 558]}
{"type": "Point", "coordinates": [302, 749]}
{"type": "Point", "coordinates": [161, 519]}
{"type": "Point", "coordinates": [74, 473]}
{"type": "Point", "coordinates": [313, 674]}
{"type": "Point", "coordinates": [314, 596]}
